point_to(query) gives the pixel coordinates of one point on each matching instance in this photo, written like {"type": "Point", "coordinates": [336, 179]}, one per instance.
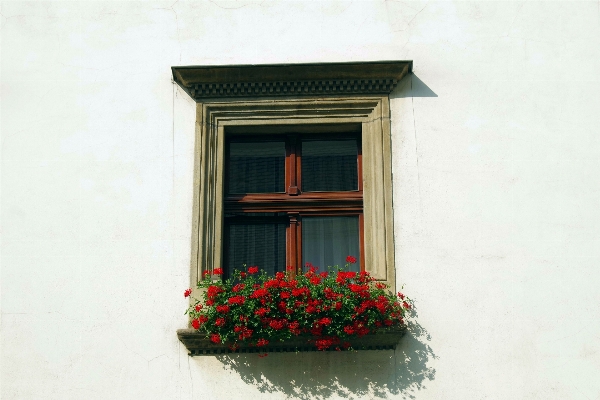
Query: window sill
{"type": "Point", "coordinates": [199, 344]}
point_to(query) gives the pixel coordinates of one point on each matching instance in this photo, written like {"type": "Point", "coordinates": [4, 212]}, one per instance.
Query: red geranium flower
{"type": "Point", "coordinates": [342, 276]}
{"type": "Point", "coordinates": [187, 292]}
{"type": "Point", "coordinates": [272, 283]}
{"type": "Point", "coordinates": [245, 333]}
{"type": "Point", "coordinates": [316, 330]}
{"type": "Point", "coordinates": [213, 291]}
{"type": "Point", "coordinates": [239, 300]}
{"type": "Point", "coordinates": [261, 312]}
{"type": "Point", "coordinates": [239, 287]}
{"type": "Point", "coordinates": [258, 293]}
{"type": "Point", "coordinates": [218, 271]}
{"type": "Point", "coordinates": [278, 307]}
{"type": "Point", "coordinates": [294, 328]}
{"type": "Point", "coordinates": [278, 324]}
{"type": "Point", "coordinates": [300, 291]}
{"type": "Point", "coordinates": [223, 309]}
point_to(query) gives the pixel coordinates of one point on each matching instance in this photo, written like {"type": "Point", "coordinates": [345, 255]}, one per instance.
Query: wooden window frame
{"type": "Point", "coordinates": [281, 115]}
{"type": "Point", "coordinates": [295, 202]}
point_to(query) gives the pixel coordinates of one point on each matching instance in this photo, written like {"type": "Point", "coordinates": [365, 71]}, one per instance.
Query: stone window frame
{"type": "Point", "coordinates": [277, 104]}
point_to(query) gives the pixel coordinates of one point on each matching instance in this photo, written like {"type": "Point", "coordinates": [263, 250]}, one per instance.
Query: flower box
{"type": "Point", "coordinates": [256, 313]}
{"type": "Point", "coordinates": [199, 344]}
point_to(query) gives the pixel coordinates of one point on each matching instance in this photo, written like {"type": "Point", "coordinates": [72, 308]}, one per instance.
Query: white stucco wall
{"type": "Point", "coordinates": [496, 192]}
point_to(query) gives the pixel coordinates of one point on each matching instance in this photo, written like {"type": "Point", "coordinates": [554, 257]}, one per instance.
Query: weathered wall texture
{"type": "Point", "coordinates": [496, 192]}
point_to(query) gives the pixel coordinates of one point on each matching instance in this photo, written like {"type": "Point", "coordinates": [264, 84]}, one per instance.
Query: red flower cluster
{"type": "Point", "coordinates": [243, 332]}
{"type": "Point", "coordinates": [344, 276]}
{"type": "Point", "coordinates": [187, 292]}
{"type": "Point", "coordinates": [198, 322]}
{"type": "Point", "coordinates": [238, 300]}
{"type": "Point", "coordinates": [329, 309]}
{"type": "Point", "coordinates": [239, 287]}
{"type": "Point", "coordinates": [223, 309]}
{"type": "Point", "coordinates": [278, 324]}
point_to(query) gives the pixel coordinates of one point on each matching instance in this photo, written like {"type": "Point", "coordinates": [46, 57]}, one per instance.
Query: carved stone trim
{"type": "Point", "coordinates": [205, 82]}
{"type": "Point", "coordinates": [214, 118]}
{"type": "Point", "coordinates": [206, 90]}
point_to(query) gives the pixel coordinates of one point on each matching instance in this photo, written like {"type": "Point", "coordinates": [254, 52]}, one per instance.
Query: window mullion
{"type": "Point", "coordinates": [292, 171]}
{"type": "Point", "coordinates": [293, 241]}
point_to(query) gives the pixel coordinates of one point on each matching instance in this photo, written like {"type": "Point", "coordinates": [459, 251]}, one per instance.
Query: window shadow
{"type": "Point", "coordinates": [349, 374]}
{"type": "Point", "coordinates": [412, 86]}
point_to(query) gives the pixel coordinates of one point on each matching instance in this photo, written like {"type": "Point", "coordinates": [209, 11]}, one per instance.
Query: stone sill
{"type": "Point", "coordinates": [199, 344]}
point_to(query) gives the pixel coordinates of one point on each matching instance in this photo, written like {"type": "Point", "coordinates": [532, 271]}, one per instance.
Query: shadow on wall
{"type": "Point", "coordinates": [412, 86]}
{"type": "Point", "coordinates": [359, 374]}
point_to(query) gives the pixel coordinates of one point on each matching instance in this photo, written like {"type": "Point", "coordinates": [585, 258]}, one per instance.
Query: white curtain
{"type": "Point", "coordinates": [327, 241]}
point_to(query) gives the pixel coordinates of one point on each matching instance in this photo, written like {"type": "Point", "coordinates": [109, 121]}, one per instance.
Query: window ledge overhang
{"type": "Point", "coordinates": [237, 81]}
{"type": "Point", "coordinates": [198, 344]}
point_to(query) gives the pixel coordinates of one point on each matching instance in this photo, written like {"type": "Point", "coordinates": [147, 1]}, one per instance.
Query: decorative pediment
{"type": "Point", "coordinates": [238, 81]}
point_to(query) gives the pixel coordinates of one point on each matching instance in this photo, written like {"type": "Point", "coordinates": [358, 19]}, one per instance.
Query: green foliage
{"type": "Point", "coordinates": [328, 308]}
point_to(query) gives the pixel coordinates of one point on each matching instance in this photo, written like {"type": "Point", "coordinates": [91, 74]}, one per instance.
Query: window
{"type": "Point", "coordinates": [293, 199]}
{"type": "Point", "coordinates": [276, 102]}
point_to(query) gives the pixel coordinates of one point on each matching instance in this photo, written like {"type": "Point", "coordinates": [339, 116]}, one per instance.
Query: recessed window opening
{"type": "Point", "coordinates": [293, 198]}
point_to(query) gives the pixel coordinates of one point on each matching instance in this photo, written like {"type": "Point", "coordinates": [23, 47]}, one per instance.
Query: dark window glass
{"type": "Point", "coordinates": [256, 244]}
{"type": "Point", "coordinates": [329, 165]}
{"type": "Point", "coordinates": [256, 167]}
{"type": "Point", "coordinates": [327, 241]}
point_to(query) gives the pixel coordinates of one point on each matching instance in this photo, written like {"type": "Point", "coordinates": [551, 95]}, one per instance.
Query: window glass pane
{"type": "Point", "coordinates": [327, 241]}
{"type": "Point", "coordinates": [329, 165]}
{"type": "Point", "coordinates": [256, 167]}
{"type": "Point", "coordinates": [260, 244]}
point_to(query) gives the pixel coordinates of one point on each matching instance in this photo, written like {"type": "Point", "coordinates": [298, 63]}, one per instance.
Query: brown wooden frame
{"type": "Point", "coordinates": [293, 201]}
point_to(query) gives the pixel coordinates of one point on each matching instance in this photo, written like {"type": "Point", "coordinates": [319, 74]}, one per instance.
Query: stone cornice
{"type": "Point", "coordinates": [238, 81]}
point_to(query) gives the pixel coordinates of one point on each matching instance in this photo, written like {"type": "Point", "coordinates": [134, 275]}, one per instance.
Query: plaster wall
{"type": "Point", "coordinates": [496, 162]}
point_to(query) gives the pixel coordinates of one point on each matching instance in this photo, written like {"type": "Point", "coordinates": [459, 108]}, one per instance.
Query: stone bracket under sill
{"type": "Point", "coordinates": [198, 344]}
